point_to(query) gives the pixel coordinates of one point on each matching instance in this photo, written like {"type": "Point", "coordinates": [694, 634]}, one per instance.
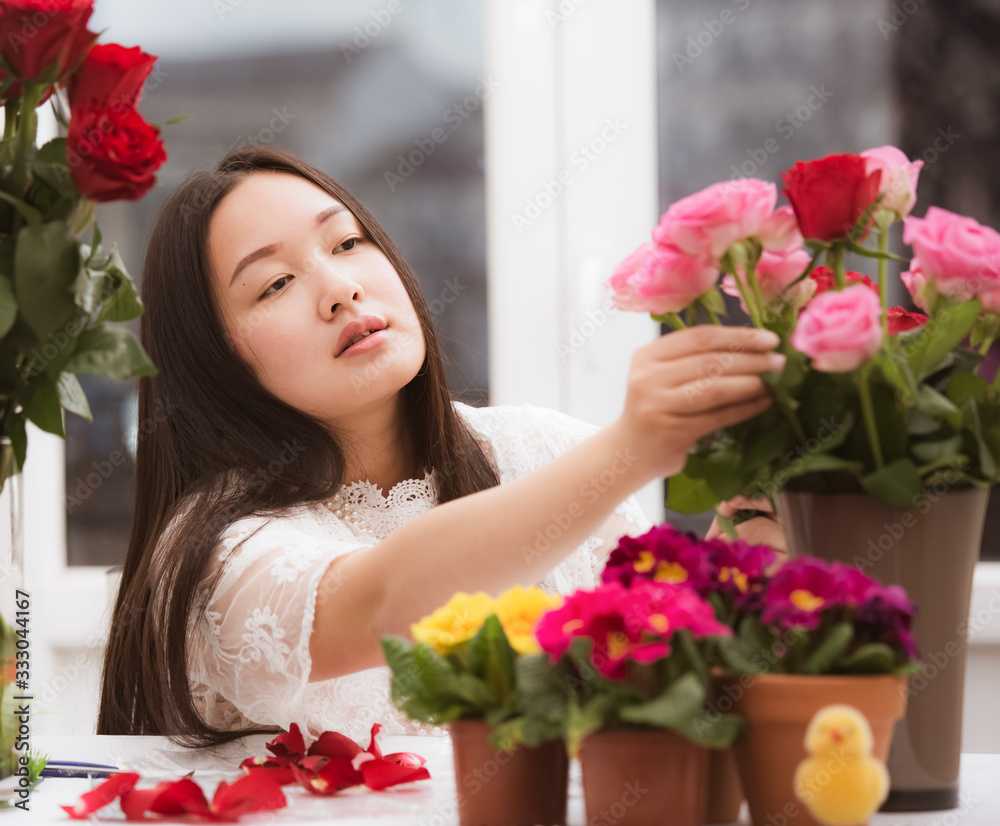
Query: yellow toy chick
{"type": "Point", "coordinates": [840, 782]}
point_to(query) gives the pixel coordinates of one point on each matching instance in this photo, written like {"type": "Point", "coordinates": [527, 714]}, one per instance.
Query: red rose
{"type": "Point", "coordinates": [112, 155]}
{"type": "Point", "coordinates": [826, 280]}
{"type": "Point", "coordinates": [37, 34]}
{"type": "Point", "coordinates": [830, 195]}
{"type": "Point", "coordinates": [899, 320]}
{"type": "Point", "coordinates": [111, 76]}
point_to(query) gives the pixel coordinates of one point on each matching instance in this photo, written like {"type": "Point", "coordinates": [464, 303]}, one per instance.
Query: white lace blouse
{"type": "Point", "coordinates": [249, 650]}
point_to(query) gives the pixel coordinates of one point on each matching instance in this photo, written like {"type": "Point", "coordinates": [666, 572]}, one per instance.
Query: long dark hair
{"type": "Point", "coordinates": [212, 436]}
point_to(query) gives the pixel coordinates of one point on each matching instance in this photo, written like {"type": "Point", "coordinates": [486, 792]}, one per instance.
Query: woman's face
{"type": "Point", "coordinates": [295, 275]}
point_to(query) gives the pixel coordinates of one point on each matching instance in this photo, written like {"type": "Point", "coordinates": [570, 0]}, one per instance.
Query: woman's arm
{"type": "Point", "coordinates": [681, 386]}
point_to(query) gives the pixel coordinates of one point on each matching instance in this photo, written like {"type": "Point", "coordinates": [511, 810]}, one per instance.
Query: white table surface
{"type": "Point", "coordinates": [427, 802]}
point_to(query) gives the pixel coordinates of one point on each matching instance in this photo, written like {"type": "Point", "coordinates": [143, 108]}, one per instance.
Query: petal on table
{"type": "Point", "coordinates": [116, 785]}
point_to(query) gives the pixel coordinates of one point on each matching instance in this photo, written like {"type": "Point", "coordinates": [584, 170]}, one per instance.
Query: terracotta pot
{"type": "Point", "coordinates": [525, 787]}
{"type": "Point", "coordinates": [643, 778]}
{"type": "Point", "coordinates": [931, 550]}
{"type": "Point", "coordinates": [778, 709]}
{"type": "Point", "coordinates": [725, 794]}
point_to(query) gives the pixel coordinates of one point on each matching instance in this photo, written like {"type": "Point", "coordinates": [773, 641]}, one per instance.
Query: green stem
{"type": "Point", "coordinates": [24, 141]}
{"type": "Point", "coordinates": [883, 279]}
{"type": "Point", "coordinates": [868, 411]}
{"type": "Point", "coordinates": [755, 287]}
{"type": "Point", "coordinates": [672, 319]}
{"type": "Point", "coordinates": [10, 118]}
{"type": "Point", "coordinates": [837, 254]}
{"type": "Point", "coordinates": [712, 317]}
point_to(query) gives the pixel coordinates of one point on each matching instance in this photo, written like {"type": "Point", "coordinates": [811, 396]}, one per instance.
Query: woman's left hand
{"type": "Point", "coordinates": [764, 529]}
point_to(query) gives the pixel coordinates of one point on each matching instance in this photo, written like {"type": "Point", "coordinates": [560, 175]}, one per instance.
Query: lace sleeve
{"type": "Point", "coordinates": [250, 639]}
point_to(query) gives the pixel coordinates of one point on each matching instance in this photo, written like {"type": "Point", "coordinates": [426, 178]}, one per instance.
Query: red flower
{"type": "Point", "coordinates": [38, 34]}
{"type": "Point", "coordinates": [110, 76]}
{"type": "Point", "coordinates": [112, 155]}
{"type": "Point", "coordinates": [829, 195]}
{"type": "Point", "coordinates": [900, 320]}
{"type": "Point", "coordinates": [826, 280]}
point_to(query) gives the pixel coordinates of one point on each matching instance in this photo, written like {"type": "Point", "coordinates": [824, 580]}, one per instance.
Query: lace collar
{"type": "Point", "coordinates": [364, 506]}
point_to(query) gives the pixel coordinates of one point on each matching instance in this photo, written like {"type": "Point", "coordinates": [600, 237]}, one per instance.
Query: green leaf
{"type": "Point", "coordinates": [53, 152]}
{"type": "Point", "coordinates": [434, 672]}
{"type": "Point", "coordinates": [934, 404]}
{"type": "Point", "coordinates": [896, 484]}
{"type": "Point", "coordinates": [72, 397]}
{"type": "Point", "coordinates": [987, 461]}
{"type": "Point", "coordinates": [673, 709]}
{"type": "Point", "coordinates": [43, 407]}
{"type": "Point", "coordinates": [873, 658]}
{"type": "Point", "coordinates": [965, 386]}
{"type": "Point", "coordinates": [826, 653]}
{"type": "Point", "coordinates": [586, 719]}
{"type": "Point", "coordinates": [941, 335]}
{"type": "Point", "coordinates": [26, 211]}
{"type": "Point", "coordinates": [817, 462]}
{"type": "Point", "coordinates": [110, 351]}
{"type": "Point", "coordinates": [920, 424]}
{"type": "Point", "coordinates": [713, 301]}
{"type": "Point", "coordinates": [492, 658]}
{"type": "Point", "coordinates": [938, 450]}
{"type": "Point", "coordinates": [123, 304]}
{"type": "Point", "coordinates": [688, 495]}
{"type": "Point", "coordinates": [46, 262]}
{"type": "Point", "coordinates": [743, 651]}
{"type": "Point", "coordinates": [8, 306]}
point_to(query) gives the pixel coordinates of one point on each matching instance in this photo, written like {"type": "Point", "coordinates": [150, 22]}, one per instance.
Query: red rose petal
{"type": "Point", "coordinates": [373, 746]}
{"type": "Point", "coordinates": [289, 744]}
{"type": "Point", "coordinates": [381, 774]}
{"type": "Point", "coordinates": [136, 802]}
{"type": "Point", "coordinates": [114, 787]}
{"type": "Point", "coordinates": [334, 744]}
{"type": "Point", "coordinates": [180, 797]}
{"type": "Point", "coordinates": [336, 775]}
{"type": "Point", "coordinates": [406, 758]}
{"type": "Point", "coordinates": [252, 793]}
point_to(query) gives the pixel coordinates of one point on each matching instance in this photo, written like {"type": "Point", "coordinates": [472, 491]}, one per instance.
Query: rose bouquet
{"type": "Point", "coordinates": [58, 294]}
{"type": "Point", "coordinates": [872, 399]}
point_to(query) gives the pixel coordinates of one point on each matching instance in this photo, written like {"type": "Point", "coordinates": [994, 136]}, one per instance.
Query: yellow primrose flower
{"type": "Point", "coordinates": [455, 622]}
{"type": "Point", "coordinates": [518, 610]}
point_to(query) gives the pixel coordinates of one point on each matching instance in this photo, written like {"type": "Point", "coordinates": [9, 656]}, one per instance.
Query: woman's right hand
{"type": "Point", "coordinates": [690, 382]}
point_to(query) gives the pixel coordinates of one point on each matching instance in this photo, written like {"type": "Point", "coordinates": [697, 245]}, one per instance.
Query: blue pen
{"type": "Point", "coordinates": [71, 768]}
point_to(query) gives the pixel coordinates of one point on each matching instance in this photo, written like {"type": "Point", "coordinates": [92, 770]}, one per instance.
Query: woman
{"type": "Point", "coordinates": [300, 360]}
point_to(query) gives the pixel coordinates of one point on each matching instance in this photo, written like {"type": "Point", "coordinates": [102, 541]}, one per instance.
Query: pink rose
{"type": "Point", "coordinates": [959, 254]}
{"type": "Point", "coordinates": [657, 279]}
{"type": "Point", "coordinates": [622, 284]}
{"type": "Point", "coordinates": [774, 272]}
{"type": "Point", "coordinates": [914, 281]}
{"type": "Point", "coordinates": [840, 330]}
{"type": "Point", "coordinates": [899, 178]}
{"type": "Point", "coordinates": [710, 221]}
